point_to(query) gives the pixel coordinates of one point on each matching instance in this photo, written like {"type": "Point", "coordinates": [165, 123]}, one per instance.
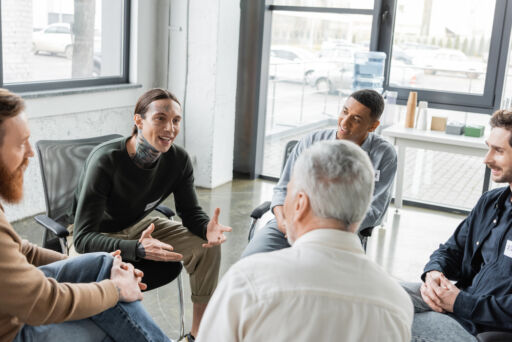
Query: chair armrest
{"type": "Point", "coordinates": [258, 212]}
{"type": "Point", "coordinates": [54, 226]}
{"type": "Point", "coordinates": [494, 336]}
{"type": "Point", "coordinates": [165, 211]}
{"type": "Point", "coordinates": [366, 232]}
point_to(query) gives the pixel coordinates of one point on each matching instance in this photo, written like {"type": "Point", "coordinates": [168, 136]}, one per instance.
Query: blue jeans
{"type": "Point", "coordinates": [123, 322]}
{"type": "Point", "coordinates": [431, 326]}
{"type": "Point", "coordinates": [266, 239]}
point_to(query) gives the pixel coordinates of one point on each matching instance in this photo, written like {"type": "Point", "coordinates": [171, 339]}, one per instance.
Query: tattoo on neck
{"type": "Point", "coordinates": [145, 154]}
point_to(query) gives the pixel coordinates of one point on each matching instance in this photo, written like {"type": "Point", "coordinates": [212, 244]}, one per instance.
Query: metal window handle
{"type": "Point", "coordinates": [385, 15]}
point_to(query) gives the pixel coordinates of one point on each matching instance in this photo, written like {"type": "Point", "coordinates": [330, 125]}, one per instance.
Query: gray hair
{"type": "Point", "coordinates": [337, 176]}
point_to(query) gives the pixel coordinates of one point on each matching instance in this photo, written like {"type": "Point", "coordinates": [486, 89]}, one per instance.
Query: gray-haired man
{"type": "Point", "coordinates": [323, 287]}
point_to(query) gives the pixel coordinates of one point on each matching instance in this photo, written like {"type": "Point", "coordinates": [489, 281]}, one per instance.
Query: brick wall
{"type": "Point", "coordinates": [16, 39]}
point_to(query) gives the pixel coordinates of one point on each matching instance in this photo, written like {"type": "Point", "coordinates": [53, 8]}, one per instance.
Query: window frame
{"type": "Point", "coordinates": [270, 8]}
{"type": "Point", "coordinates": [485, 103]}
{"type": "Point", "coordinates": [69, 84]}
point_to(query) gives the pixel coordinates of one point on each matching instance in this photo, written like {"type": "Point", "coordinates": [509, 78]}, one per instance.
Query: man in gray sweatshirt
{"type": "Point", "coordinates": [357, 122]}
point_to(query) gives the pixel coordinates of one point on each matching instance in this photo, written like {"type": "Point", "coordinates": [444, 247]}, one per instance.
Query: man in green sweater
{"type": "Point", "coordinates": [125, 179]}
{"type": "Point", "coordinates": [44, 296]}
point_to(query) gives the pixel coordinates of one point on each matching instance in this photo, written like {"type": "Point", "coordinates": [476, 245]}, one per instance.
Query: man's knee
{"type": "Point", "coordinates": [413, 289]}
{"type": "Point", "coordinates": [89, 267]}
{"type": "Point", "coordinates": [94, 260]}
{"type": "Point", "coordinates": [203, 257]}
{"type": "Point", "coordinates": [266, 239]}
{"type": "Point", "coordinates": [212, 254]}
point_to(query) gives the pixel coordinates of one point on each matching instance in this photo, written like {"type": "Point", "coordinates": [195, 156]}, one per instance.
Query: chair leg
{"type": "Point", "coordinates": [45, 238]}
{"type": "Point", "coordinates": [182, 310]}
{"type": "Point", "coordinates": [64, 245]}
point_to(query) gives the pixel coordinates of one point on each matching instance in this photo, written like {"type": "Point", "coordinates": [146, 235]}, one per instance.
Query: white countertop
{"type": "Point", "coordinates": [439, 137]}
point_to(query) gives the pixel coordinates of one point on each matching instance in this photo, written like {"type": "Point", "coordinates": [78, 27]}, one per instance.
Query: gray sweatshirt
{"type": "Point", "coordinates": [382, 155]}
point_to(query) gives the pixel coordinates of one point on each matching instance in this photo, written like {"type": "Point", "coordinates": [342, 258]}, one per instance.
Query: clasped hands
{"type": "Point", "coordinates": [438, 292]}
{"type": "Point", "coordinates": [127, 279]}
{"type": "Point", "coordinates": [160, 251]}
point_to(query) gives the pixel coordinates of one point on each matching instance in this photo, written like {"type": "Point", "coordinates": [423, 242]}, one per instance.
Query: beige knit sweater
{"type": "Point", "coordinates": [28, 297]}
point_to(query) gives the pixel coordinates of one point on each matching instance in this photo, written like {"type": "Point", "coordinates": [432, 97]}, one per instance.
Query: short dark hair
{"type": "Point", "coordinates": [370, 99]}
{"type": "Point", "coordinates": [149, 97]}
{"type": "Point", "coordinates": [502, 118]}
{"type": "Point", "coordinates": [10, 106]}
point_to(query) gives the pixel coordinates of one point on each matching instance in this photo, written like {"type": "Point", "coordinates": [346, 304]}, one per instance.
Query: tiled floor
{"type": "Point", "coordinates": [402, 247]}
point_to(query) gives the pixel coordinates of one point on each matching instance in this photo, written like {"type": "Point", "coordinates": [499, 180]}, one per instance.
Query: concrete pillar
{"type": "Point", "coordinates": [208, 85]}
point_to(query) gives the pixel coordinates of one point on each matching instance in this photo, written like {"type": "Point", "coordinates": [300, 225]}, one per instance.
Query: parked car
{"type": "Point", "coordinates": [327, 71]}
{"type": "Point", "coordinates": [292, 64]}
{"type": "Point", "coordinates": [55, 38]}
{"type": "Point", "coordinates": [449, 61]}
{"type": "Point", "coordinates": [334, 81]}
{"type": "Point", "coordinates": [401, 55]}
{"type": "Point", "coordinates": [339, 55]}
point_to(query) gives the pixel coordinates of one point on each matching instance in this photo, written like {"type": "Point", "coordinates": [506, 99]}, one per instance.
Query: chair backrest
{"type": "Point", "coordinates": [287, 150]}
{"type": "Point", "coordinates": [61, 162]}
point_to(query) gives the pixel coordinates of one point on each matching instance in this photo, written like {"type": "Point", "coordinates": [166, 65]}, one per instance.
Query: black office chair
{"type": "Point", "coordinates": [61, 162]}
{"type": "Point", "coordinates": [494, 336]}
{"type": "Point", "coordinates": [260, 210]}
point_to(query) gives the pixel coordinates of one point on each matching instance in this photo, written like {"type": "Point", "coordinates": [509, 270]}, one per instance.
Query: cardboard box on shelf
{"type": "Point", "coordinates": [438, 123]}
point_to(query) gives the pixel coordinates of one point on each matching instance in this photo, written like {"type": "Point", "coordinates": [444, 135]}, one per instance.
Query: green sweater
{"type": "Point", "coordinates": [113, 194]}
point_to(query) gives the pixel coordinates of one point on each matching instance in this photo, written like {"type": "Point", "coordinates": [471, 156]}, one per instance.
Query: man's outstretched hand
{"type": "Point", "coordinates": [215, 231]}
{"type": "Point", "coordinates": [156, 249]}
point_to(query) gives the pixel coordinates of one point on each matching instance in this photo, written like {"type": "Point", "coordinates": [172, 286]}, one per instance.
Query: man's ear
{"type": "Point", "coordinates": [137, 119]}
{"type": "Point", "coordinates": [374, 126]}
{"type": "Point", "coordinates": [302, 205]}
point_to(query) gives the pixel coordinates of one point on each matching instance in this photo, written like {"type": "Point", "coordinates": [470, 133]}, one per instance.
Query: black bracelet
{"type": "Point", "coordinates": [140, 252]}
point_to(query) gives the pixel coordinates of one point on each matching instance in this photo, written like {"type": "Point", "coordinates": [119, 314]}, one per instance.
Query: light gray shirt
{"type": "Point", "coordinates": [323, 288]}
{"type": "Point", "coordinates": [382, 155]}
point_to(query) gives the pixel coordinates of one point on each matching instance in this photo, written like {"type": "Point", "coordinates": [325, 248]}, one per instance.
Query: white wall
{"type": "Point", "coordinates": [209, 108]}
{"type": "Point", "coordinates": [16, 38]}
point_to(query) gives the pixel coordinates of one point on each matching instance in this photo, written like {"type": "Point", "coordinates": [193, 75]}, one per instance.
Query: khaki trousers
{"type": "Point", "coordinates": [202, 264]}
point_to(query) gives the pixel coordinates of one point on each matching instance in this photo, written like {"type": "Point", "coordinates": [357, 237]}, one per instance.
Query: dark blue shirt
{"type": "Point", "coordinates": [475, 257]}
{"type": "Point", "coordinates": [495, 239]}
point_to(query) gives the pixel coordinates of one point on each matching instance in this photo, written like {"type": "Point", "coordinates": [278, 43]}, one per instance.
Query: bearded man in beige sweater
{"type": "Point", "coordinates": [44, 296]}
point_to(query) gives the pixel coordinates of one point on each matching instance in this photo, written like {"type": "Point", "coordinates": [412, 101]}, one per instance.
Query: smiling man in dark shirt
{"type": "Point", "coordinates": [478, 256]}
{"type": "Point", "coordinates": [125, 179]}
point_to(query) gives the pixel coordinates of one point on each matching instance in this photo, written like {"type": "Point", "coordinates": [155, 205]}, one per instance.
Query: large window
{"type": "Point", "coordinates": [452, 49]}
{"type": "Point", "coordinates": [51, 44]}
{"type": "Point", "coordinates": [310, 68]}
{"type": "Point", "coordinates": [454, 54]}
{"type": "Point", "coordinates": [445, 52]}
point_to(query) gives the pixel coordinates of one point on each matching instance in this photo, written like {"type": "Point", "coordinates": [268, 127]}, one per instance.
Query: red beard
{"type": "Point", "coordinates": [11, 184]}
